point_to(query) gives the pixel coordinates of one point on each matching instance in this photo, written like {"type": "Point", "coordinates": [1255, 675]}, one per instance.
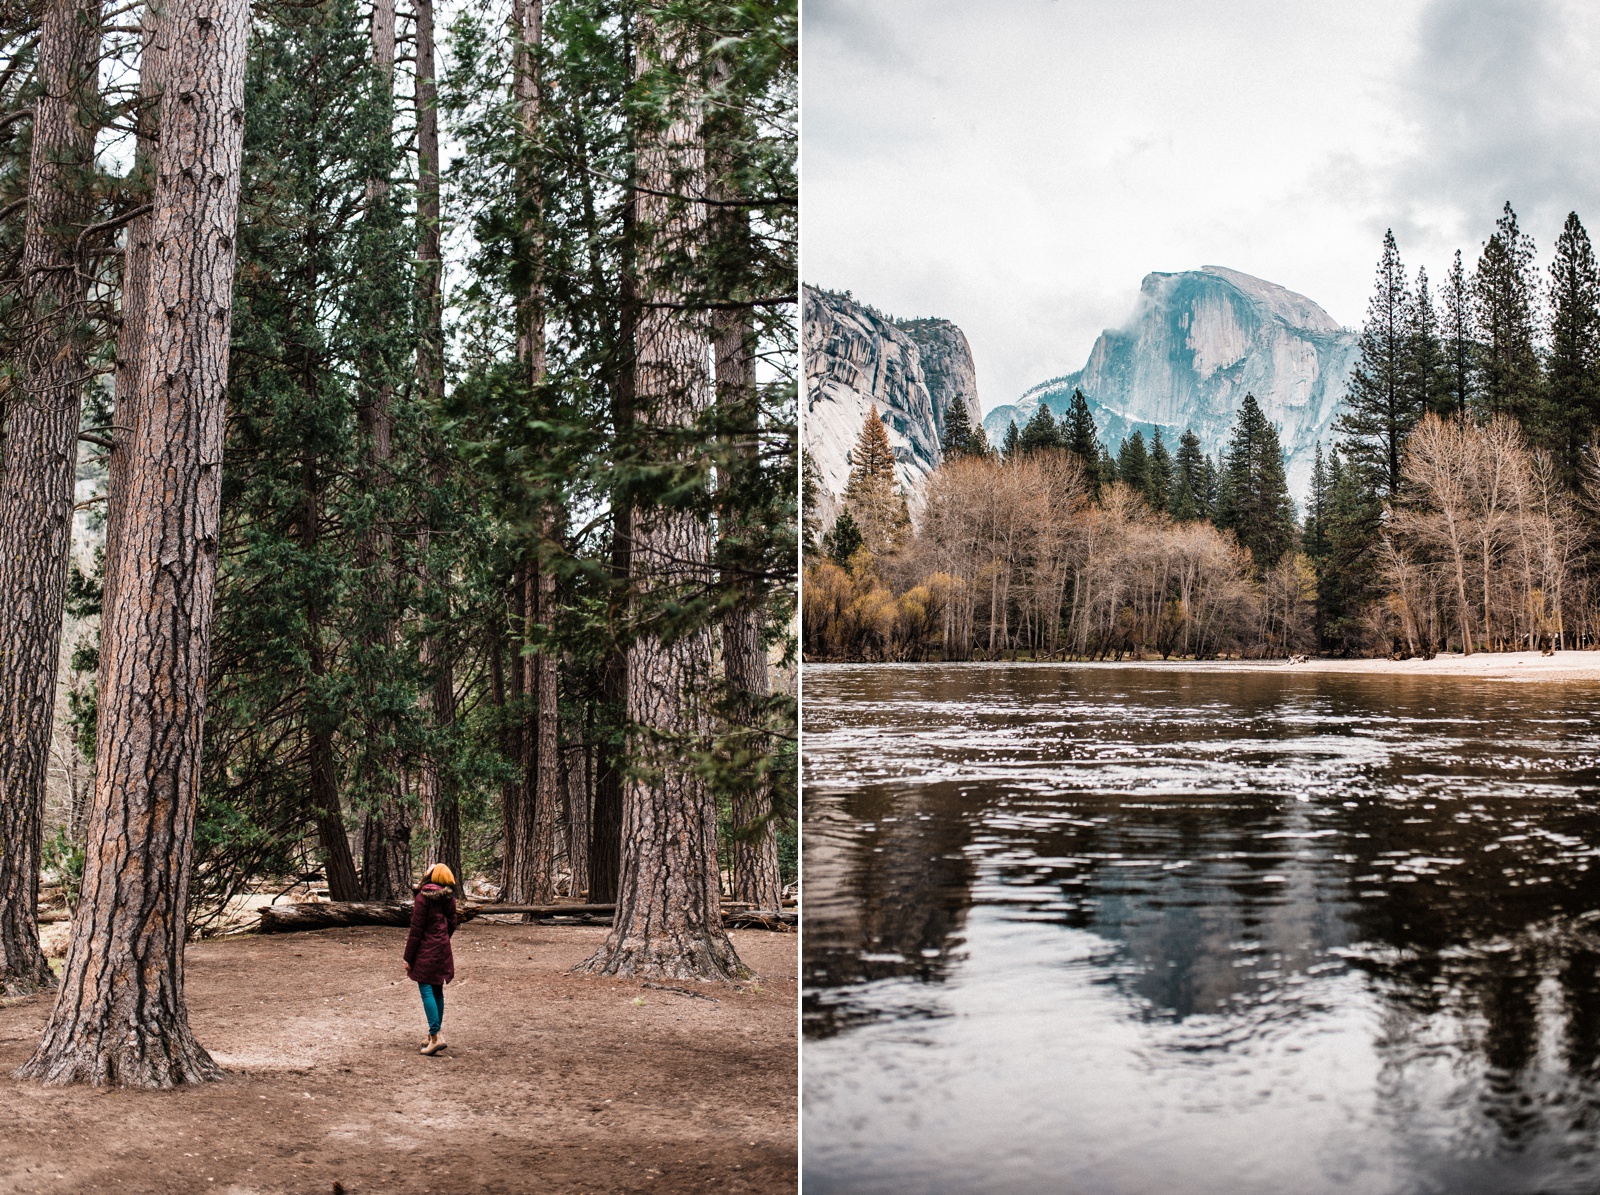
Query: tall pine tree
{"type": "Point", "coordinates": [1158, 476]}
{"type": "Point", "coordinates": [1426, 371]}
{"type": "Point", "coordinates": [1188, 497]}
{"type": "Point", "coordinates": [957, 438]}
{"type": "Point", "coordinates": [1041, 432]}
{"type": "Point", "coordinates": [1254, 503]}
{"type": "Point", "coordinates": [1383, 405]}
{"type": "Point", "coordinates": [1573, 386]}
{"type": "Point", "coordinates": [1504, 294]}
{"type": "Point", "coordinates": [1459, 347]}
{"type": "Point", "coordinates": [1133, 464]}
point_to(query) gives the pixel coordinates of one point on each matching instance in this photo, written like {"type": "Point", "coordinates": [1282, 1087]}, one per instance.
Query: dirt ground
{"type": "Point", "coordinates": [552, 1082]}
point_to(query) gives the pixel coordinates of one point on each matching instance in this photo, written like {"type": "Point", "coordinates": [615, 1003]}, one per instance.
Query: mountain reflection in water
{"type": "Point", "coordinates": [1144, 929]}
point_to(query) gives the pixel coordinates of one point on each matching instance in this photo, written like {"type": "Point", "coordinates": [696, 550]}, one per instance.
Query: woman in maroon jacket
{"type": "Point", "coordinates": [428, 958]}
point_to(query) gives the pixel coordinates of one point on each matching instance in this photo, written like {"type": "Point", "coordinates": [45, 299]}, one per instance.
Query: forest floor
{"type": "Point", "coordinates": [552, 1082]}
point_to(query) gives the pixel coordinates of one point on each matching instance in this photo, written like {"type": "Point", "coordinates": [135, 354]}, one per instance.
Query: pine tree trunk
{"type": "Point", "coordinates": [756, 874]}
{"type": "Point", "coordinates": [575, 770]}
{"type": "Point", "coordinates": [334, 840]}
{"type": "Point", "coordinates": [532, 878]}
{"type": "Point", "coordinates": [546, 804]}
{"type": "Point", "coordinates": [39, 470]}
{"type": "Point", "coordinates": [439, 796]}
{"type": "Point", "coordinates": [605, 829]}
{"type": "Point", "coordinates": [668, 920]}
{"type": "Point", "coordinates": [133, 333]}
{"type": "Point", "coordinates": [516, 746]}
{"type": "Point", "coordinates": [386, 863]}
{"type": "Point", "coordinates": [120, 1016]}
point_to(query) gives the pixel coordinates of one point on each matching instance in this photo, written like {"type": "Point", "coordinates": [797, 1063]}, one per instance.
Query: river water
{"type": "Point", "coordinates": [1136, 930]}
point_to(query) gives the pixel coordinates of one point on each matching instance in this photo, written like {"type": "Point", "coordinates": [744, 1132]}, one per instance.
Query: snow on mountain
{"type": "Point", "coordinates": [1196, 344]}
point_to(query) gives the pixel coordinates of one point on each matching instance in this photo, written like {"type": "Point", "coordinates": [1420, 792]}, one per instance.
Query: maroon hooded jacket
{"type": "Point", "coordinates": [433, 920]}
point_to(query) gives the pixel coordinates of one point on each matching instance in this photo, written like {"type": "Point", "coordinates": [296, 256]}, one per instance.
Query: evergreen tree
{"type": "Point", "coordinates": [1254, 501]}
{"type": "Point", "coordinates": [978, 442]}
{"type": "Point", "coordinates": [1106, 470]}
{"type": "Point", "coordinates": [871, 494]}
{"type": "Point", "coordinates": [1426, 371]}
{"type": "Point", "coordinates": [842, 539]}
{"type": "Point", "coordinates": [1187, 498]}
{"type": "Point", "coordinates": [1459, 348]}
{"type": "Point", "coordinates": [1313, 536]}
{"type": "Point", "coordinates": [1041, 432]}
{"type": "Point", "coordinates": [1158, 482]}
{"type": "Point", "coordinates": [1209, 492]}
{"type": "Point", "coordinates": [1383, 404]}
{"type": "Point", "coordinates": [1504, 292]}
{"type": "Point", "coordinates": [1008, 447]}
{"type": "Point", "coordinates": [1348, 579]}
{"type": "Point", "coordinates": [1082, 438]}
{"type": "Point", "coordinates": [958, 436]}
{"type": "Point", "coordinates": [1573, 385]}
{"type": "Point", "coordinates": [1133, 464]}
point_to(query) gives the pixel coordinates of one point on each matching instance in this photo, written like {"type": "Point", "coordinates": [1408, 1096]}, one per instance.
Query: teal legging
{"type": "Point", "coordinates": [433, 1004]}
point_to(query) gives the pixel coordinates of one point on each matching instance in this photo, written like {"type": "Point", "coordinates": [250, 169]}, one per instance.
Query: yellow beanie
{"type": "Point", "coordinates": [440, 874]}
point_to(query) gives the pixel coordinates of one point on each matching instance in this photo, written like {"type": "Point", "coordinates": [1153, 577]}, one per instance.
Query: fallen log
{"type": "Point", "coordinates": [329, 914]}
{"type": "Point", "coordinates": [326, 914]}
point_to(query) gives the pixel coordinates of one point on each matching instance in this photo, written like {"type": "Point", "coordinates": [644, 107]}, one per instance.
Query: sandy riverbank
{"type": "Point", "coordinates": [1508, 665]}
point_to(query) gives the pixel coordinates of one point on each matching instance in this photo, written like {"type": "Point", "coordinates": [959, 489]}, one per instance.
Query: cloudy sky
{"type": "Point", "coordinates": [1018, 165]}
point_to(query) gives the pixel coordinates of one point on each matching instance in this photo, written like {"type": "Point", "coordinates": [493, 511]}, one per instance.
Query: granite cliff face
{"type": "Point", "coordinates": [856, 358]}
{"type": "Point", "coordinates": [1196, 344]}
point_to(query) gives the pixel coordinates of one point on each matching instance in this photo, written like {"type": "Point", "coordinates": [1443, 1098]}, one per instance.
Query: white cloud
{"type": "Point", "coordinates": [1017, 166]}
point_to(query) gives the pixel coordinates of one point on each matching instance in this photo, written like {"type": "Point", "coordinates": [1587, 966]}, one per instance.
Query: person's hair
{"type": "Point", "coordinates": [440, 874]}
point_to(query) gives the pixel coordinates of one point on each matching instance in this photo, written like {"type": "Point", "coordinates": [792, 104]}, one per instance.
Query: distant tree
{"type": "Point", "coordinates": [810, 502]}
{"type": "Point", "coordinates": [1313, 535]}
{"type": "Point", "coordinates": [1459, 348]}
{"type": "Point", "coordinates": [1210, 487]}
{"type": "Point", "coordinates": [1008, 447]}
{"type": "Point", "coordinates": [1133, 464]}
{"type": "Point", "coordinates": [1348, 579]}
{"type": "Point", "coordinates": [1426, 372]}
{"type": "Point", "coordinates": [978, 442]}
{"type": "Point", "coordinates": [1106, 469]}
{"type": "Point", "coordinates": [871, 496]}
{"type": "Point", "coordinates": [1158, 480]}
{"type": "Point", "coordinates": [1254, 501]}
{"type": "Point", "coordinates": [1186, 498]}
{"type": "Point", "coordinates": [1382, 403]}
{"type": "Point", "coordinates": [1082, 438]}
{"type": "Point", "coordinates": [843, 539]}
{"type": "Point", "coordinates": [1504, 291]}
{"type": "Point", "coordinates": [1573, 386]}
{"type": "Point", "coordinates": [1041, 431]}
{"type": "Point", "coordinates": [957, 438]}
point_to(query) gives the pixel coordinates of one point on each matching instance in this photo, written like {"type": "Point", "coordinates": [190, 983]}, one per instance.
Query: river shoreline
{"type": "Point", "coordinates": [1524, 666]}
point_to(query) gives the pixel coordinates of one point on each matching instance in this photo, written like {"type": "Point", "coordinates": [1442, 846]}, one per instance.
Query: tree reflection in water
{"type": "Point", "coordinates": [1244, 845]}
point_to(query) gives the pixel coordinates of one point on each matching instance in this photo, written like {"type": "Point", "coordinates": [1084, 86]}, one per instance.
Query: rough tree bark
{"type": "Point", "coordinates": [531, 854]}
{"type": "Point", "coordinates": [605, 829]}
{"type": "Point", "coordinates": [547, 800]}
{"type": "Point", "coordinates": [337, 860]}
{"type": "Point", "coordinates": [510, 700]}
{"type": "Point", "coordinates": [668, 922]}
{"type": "Point", "coordinates": [575, 766]}
{"type": "Point", "coordinates": [386, 830]}
{"type": "Point", "coordinates": [438, 794]}
{"type": "Point", "coordinates": [756, 874]}
{"type": "Point", "coordinates": [516, 805]}
{"type": "Point", "coordinates": [39, 469]}
{"type": "Point", "coordinates": [120, 1016]}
